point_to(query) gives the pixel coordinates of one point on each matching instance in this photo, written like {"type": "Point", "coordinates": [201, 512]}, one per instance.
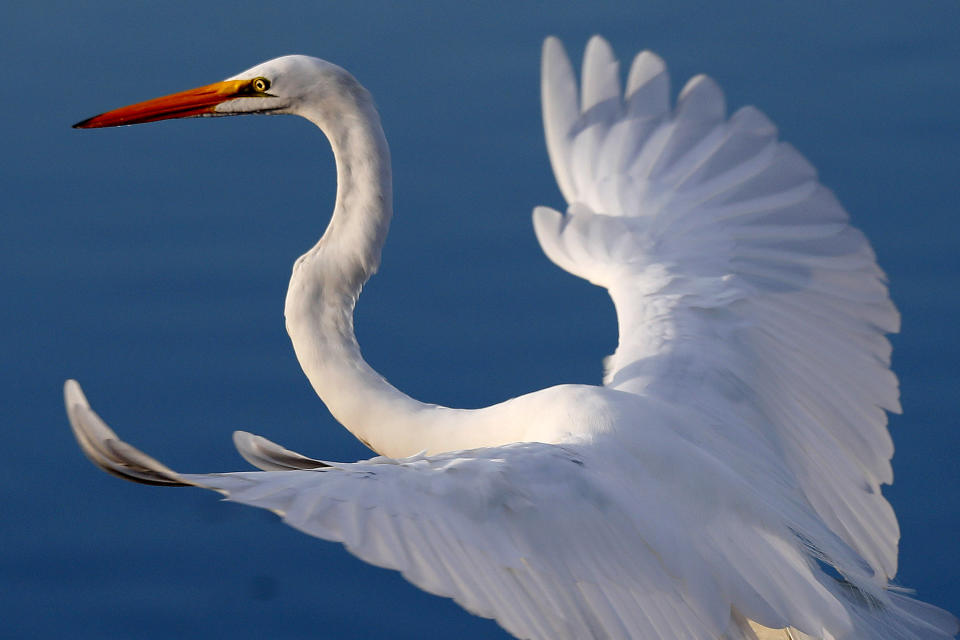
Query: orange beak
{"type": "Point", "coordinates": [193, 102]}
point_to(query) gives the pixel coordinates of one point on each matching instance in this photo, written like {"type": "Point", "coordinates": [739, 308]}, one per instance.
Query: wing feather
{"type": "Point", "coordinates": [559, 91]}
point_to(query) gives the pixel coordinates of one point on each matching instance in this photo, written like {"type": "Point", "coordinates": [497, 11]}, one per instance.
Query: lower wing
{"type": "Point", "coordinates": [546, 539]}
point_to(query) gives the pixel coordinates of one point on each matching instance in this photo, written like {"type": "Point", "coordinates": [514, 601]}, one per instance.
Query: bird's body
{"type": "Point", "coordinates": [736, 448]}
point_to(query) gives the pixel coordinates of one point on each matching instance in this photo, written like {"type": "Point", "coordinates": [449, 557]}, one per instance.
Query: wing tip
{"type": "Point", "coordinates": [553, 53]}
{"type": "Point", "coordinates": [547, 226]}
{"type": "Point", "coordinates": [546, 220]}
{"type": "Point", "coordinates": [105, 450]}
{"type": "Point", "coordinates": [597, 45]}
{"type": "Point", "coordinates": [73, 394]}
{"type": "Point", "coordinates": [551, 43]}
{"type": "Point", "coordinates": [269, 456]}
{"type": "Point", "coordinates": [703, 96]}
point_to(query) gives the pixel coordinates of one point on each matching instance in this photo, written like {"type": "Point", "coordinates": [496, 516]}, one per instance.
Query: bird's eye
{"type": "Point", "coordinates": [260, 85]}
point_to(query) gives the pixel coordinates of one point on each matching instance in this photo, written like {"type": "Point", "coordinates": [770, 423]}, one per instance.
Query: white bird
{"type": "Point", "coordinates": [725, 480]}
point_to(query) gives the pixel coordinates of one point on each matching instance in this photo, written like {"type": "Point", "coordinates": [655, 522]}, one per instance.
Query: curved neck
{"type": "Point", "coordinates": [327, 280]}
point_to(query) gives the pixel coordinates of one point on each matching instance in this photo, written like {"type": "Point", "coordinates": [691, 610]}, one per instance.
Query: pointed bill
{"type": "Point", "coordinates": [193, 102]}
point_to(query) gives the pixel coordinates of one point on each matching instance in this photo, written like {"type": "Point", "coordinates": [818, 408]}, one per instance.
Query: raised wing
{"type": "Point", "coordinates": [740, 287]}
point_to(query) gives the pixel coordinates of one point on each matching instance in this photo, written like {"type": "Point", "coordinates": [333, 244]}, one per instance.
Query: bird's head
{"type": "Point", "coordinates": [289, 84]}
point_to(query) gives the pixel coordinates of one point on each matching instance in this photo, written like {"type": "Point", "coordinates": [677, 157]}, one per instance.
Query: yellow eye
{"type": "Point", "coordinates": [260, 85]}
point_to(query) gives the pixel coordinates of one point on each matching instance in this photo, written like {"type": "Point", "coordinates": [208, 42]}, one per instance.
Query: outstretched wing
{"type": "Point", "coordinates": [547, 540]}
{"type": "Point", "coordinates": [517, 533]}
{"type": "Point", "coordinates": [740, 287]}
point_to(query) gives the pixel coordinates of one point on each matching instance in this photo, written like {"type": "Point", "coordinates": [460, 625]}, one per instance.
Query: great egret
{"type": "Point", "coordinates": [724, 482]}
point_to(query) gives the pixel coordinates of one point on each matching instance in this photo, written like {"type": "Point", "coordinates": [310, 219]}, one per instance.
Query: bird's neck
{"type": "Point", "coordinates": [327, 280]}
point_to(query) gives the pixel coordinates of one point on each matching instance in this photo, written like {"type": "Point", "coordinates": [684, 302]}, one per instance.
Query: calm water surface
{"type": "Point", "coordinates": [151, 264]}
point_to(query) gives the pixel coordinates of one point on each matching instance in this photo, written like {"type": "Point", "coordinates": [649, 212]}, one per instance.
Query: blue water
{"type": "Point", "coordinates": [151, 264]}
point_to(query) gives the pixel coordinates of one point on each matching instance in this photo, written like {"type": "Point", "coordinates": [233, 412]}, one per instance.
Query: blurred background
{"type": "Point", "coordinates": [151, 264]}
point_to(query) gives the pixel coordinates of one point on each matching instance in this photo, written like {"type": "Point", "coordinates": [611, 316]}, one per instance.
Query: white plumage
{"type": "Point", "coordinates": [737, 447]}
